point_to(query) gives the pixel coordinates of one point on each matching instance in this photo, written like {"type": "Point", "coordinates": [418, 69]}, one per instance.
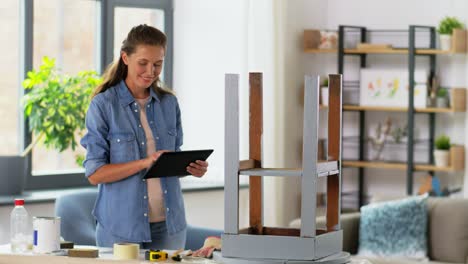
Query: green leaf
{"type": "Point", "coordinates": [448, 24]}
{"type": "Point", "coordinates": [56, 103]}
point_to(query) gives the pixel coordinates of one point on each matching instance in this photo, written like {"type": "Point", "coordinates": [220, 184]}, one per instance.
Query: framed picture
{"type": "Point", "coordinates": [389, 87]}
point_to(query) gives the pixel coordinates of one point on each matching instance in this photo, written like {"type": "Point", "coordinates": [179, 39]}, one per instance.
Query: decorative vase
{"type": "Point", "coordinates": [431, 102]}
{"type": "Point", "coordinates": [445, 42]}
{"type": "Point", "coordinates": [442, 102]}
{"type": "Point", "coordinates": [12, 174]}
{"type": "Point", "coordinates": [441, 158]}
{"type": "Point", "coordinates": [324, 94]}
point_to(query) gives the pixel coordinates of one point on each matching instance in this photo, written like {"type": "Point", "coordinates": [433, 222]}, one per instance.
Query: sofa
{"type": "Point", "coordinates": [447, 233]}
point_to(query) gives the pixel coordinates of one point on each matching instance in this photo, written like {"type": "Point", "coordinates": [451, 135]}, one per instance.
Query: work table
{"type": "Point", "coordinates": [105, 256]}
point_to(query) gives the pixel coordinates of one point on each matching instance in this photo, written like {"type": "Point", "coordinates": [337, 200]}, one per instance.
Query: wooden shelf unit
{"type": "Point", "coordinates": [320, 50]}
{"type": "Point", "coordinates": [384, 51]}
{"type": "Point", "coordinates": [397, 109]}
{"type": "Point", "coordinates": [395, 166]}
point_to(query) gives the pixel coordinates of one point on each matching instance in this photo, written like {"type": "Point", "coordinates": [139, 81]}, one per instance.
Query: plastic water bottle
{"type": "Point", "coordinates": [19, 227]}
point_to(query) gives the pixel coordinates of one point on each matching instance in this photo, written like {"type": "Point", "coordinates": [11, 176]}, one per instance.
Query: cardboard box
{"type": "Point", "coordinates": [459, 41]}
{"type": "Point", "coordinates": [320, 39]}
{"type": "Point", "coordinates": [458, 99]}
{"type": "Point", "coordinates": [311, 39]}
{"type": "Point", "coordinates": [457, 157]}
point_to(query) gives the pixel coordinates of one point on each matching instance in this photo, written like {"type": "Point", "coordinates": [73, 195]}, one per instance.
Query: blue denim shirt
{"type": "Point", "coordinates": [115, 135]}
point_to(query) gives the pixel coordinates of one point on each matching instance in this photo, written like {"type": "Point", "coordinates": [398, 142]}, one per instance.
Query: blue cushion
{"type": "Point", "coordinates": [394, 229]}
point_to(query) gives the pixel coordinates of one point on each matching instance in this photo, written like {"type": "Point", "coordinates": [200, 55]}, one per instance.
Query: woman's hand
{"type": "Point", "coordinates": [198, 168]}
{"type": "Point", "coordinates": [153, 157]}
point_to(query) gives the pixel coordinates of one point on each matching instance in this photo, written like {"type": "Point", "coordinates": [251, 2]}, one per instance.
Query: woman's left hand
{"type": "Point", "coordinates": [198, 168]}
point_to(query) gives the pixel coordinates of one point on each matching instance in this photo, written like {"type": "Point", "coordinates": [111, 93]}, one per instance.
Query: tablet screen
{"type": "Point", "coordinates": [171, 164]}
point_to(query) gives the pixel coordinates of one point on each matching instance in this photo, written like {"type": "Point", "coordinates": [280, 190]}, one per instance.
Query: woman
{"type": "Point", "coordinates": [131, 120]}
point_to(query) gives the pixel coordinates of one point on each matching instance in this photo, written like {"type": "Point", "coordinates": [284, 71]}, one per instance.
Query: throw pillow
{"type": "Point", "coordinates": [394, 229]}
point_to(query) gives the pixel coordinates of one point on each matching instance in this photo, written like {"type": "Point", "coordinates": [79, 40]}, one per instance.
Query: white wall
{"type": "Point", "coordinates": [213, 38]}
{"type": "Point", "coordinates": [292, 18]}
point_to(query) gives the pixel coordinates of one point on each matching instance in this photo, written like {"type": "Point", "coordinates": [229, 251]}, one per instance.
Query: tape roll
{"type": "Point", "coordinates": [126, 251]}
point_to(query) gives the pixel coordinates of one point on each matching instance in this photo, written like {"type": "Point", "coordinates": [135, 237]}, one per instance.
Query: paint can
{"type": "Point", "coordinates": [46, 234]}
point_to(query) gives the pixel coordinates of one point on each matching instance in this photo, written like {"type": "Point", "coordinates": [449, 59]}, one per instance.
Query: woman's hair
{"type": "Point", "coordinates": [117, 70]}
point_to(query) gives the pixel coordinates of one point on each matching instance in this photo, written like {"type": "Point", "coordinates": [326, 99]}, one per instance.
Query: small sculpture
{"type": "Point", "coordinates": [381, 133]}
{"type": "Point", "coordinates": [399, 133]}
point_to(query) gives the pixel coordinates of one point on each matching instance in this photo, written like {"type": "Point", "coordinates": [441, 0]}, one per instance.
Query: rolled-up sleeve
{"type": "Point", "coordinates": [95, 141]}
{"type": "Point", "coordinates": [180, 133]}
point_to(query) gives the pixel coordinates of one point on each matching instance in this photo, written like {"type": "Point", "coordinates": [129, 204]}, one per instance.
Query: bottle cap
{"type": "Point", "coordinates": [19, 202]}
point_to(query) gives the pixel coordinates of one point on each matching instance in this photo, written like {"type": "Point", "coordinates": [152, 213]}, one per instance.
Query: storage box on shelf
{"type": "Point", "coordinates": [459, 43]}
{"type": "Point", "coordinates": [320, 41]}
{"type": "Point", "coordinates": [457, 157]}
{"type": "Point", "coordinates": [458, 99]}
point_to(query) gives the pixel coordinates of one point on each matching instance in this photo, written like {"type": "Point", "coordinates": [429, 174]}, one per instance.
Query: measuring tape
{"type": "Point", "coordinates": [156, 255]}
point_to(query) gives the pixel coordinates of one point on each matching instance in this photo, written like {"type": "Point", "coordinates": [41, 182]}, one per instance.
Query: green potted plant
{"type": "Point", "coordinates": [55, 106]}
{"type": "Point", "coordinates": [441, 151]}
{"type": "Point", "coordinates": [442, 98]}
{"type": "Point", "coordinates": [445, 29]}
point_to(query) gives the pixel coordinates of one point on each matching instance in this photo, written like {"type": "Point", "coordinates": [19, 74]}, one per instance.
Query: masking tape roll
{"type": "Point", "coordinates": [126, 251]}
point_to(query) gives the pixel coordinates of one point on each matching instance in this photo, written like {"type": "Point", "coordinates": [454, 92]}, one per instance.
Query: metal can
{"type": "Point", "coordinates": [46, 234]}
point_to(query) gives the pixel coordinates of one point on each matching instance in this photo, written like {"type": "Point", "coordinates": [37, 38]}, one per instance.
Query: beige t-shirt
{"type": "Point", "coordinates": [157, 211]}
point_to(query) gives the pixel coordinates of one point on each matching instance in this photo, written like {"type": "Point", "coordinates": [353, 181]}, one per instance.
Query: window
{"type": "Point", "coordinates": [9, 78]}
{"type": "Point", "coordinates": [79, 35]}
{"type": "Point", "coordinates": [127, 17]}
{"type": "Point", "coordinates": [66, 31]}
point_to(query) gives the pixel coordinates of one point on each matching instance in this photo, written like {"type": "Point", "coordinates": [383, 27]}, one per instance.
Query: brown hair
{"type": "Point", "coordinates": [117, 70]}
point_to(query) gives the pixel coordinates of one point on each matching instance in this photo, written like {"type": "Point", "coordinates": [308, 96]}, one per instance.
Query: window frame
{"type": "Point", "coordinates": [105, 47]}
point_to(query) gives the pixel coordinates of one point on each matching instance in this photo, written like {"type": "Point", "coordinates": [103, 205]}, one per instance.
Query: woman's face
{"type": "Point", "coordinates": [144, 66]}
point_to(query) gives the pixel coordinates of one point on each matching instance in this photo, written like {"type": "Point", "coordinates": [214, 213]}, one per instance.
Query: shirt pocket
{"type": "Point", "coordinates": [171, 138]}
{"type": "Point", "coordinates": [123, 147]}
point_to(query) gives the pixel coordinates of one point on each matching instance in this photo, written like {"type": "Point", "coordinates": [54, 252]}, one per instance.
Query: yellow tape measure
{"type": "Point", "coordinates": [156, 255]}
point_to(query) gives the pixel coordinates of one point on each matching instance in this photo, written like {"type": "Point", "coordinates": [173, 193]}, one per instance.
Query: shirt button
{"type": "Point", "coordinates": [139, 125]}
{"type": "Point", "coordinates": [168, 209]}
{"type": "Point", "coordinates": [144, 197]}
{"type": "Point", "coordinates": [135, 103]}
{"type": "Point", "coordinates": [148, 106]}
{"type": "Point", "coordinates": [165, 191]}
{"type": "Point", "coordinates": [143, 180]}
{"type": "Point", "coordinates": [142, 143]}
{"type": "Point", "coordinates": [118, 140]}
{"type": "Point", "coordinates": [151, 122]}
{"type": "Point", "coordinates": [157, 137]}
{"type": "Point", "coordinates": [146, 214]}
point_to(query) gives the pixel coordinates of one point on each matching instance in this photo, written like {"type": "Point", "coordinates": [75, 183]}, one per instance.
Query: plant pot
{"type": "Point", "coordinates": [12, 174]}
{"type": "Point", "coordinates": [441, 158]}
{"type": "Point", "coordinates": [445, 42]}
{"type": "Point", "coordinates": [324, 94]}
{"type": "Point", "coordinates": [442, 102]}
{"type": "Point", "coordinates": [431, 102]}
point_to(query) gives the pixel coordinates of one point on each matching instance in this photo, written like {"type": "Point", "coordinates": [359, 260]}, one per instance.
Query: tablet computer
{"type": "Point", "coordinates": [175, 163]}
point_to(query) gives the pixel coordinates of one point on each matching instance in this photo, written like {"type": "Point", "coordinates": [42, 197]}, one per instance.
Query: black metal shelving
{"type": "Point", "coordinates": [412, 53]}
